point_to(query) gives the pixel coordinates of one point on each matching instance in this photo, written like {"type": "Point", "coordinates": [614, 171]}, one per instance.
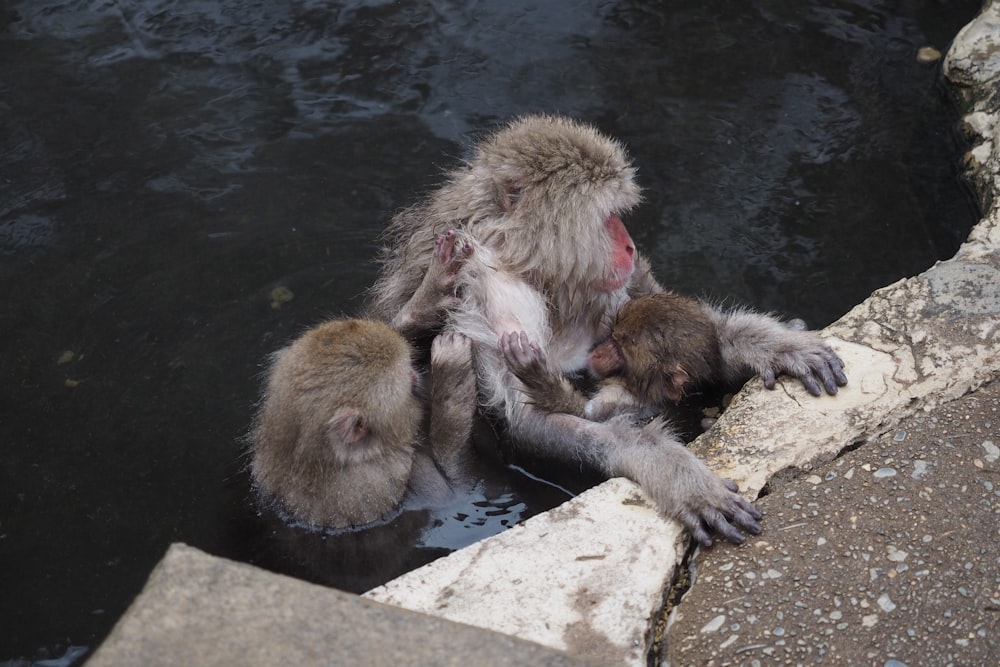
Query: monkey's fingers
{"type": "Point", "coordinates": [741, 502]}
{"type": "Point", "coordinates": [835, 366]}
{"type": "Point", "coordinates": [447, 252]}
{"type": "Point", "coordinates": [694, 524]}
{"type": "Point", "coordinates": [809, 382]}
{"type": "Point", "coordinates": [745, 516]}
{"type": "Point", "coordinates": [718, 522]}
{"type": "Point", "coordinates": [515, 349]}
{"type": "Point", "coordinates": [748, 507]}
{"type": "Point", "coordinates": [443, 246]}
{"type": "Point", "coordinates": [533, 351]}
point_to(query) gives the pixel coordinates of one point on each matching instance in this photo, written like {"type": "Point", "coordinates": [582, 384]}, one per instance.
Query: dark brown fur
{"type": "Point", "coordinates": [667, 344]}
{"type": "Point", "coordinates": [660, 346]}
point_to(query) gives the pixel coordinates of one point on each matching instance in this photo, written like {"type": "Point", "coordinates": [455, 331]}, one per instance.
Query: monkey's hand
{"type": "Point", "coordinates": [450, 255]}
{"type": "Point", "coordinates": [759, 343]}
{"type": "Point", "coordinates": [437, 292]}
{"type": "Point", "coordinates": [524, 357]}
{"type": "Point", "coordinates": [451, 366]}
{"type": "Point", "coordinates": [547, 391]}
{"type": "Point", "coordinates": [685, 489]}
{"type": "Point", "coordinates": [806, 357]}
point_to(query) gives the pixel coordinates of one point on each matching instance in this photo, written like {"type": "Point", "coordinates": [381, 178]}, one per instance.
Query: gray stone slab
{"type": "Point", "coordinates": [197, 609]}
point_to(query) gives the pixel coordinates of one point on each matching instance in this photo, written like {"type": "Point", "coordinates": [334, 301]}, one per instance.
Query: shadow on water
{"type": "Point", "coordinates": [165, 167]}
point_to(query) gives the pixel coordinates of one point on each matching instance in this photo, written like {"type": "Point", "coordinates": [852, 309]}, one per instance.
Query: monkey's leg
{"type": "Point", "coordinates": [453, 402]}
{"type": "Point", "coordinates": [613, 399]}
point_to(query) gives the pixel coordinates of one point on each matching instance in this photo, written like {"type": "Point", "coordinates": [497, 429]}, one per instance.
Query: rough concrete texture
{"type": "Point", "coordinates": [587, 577]}
{"type": "Point", "coordinates": [888, 553]}
{"type": "Point", "coordinates": [883, 556]}
{"type": "Point", "coordinates": [197, 609]}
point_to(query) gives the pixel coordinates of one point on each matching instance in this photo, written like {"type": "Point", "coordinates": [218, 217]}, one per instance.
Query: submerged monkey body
{"type": "Point", "coordinates": [300, 456]}
{"type": "Point", "coordinates": [338, 441]}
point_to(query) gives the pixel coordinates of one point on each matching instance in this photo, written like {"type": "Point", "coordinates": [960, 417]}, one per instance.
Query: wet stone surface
{"type": "Point", "coordinates": [886, 556]}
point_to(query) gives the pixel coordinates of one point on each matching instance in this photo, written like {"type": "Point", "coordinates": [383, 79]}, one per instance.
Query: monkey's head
{"type": "Point", "coordinates": [556, 190]}
{"type": "Point", "coordinates": [660, 345]}
{"type": "Point", "coordinates": [334, 439]}
{"type": "Point", "coordinates": [356, 390]}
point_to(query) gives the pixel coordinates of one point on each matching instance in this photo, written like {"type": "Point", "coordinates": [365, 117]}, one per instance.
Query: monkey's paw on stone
{"type": "Point", "coordinates": [808, 364]}
{"type": "Point", "coordinates": [685, 489]}
{"type": "Point", "coordinates": [731, 518]}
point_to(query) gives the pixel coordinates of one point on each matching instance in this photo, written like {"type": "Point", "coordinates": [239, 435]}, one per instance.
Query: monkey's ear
{"type": "Point", "coordinates": [348, 425]}
{"type": "Point", "coordinates": [510, 195]}
{"type": "Point", "coordinates": [674, 380]}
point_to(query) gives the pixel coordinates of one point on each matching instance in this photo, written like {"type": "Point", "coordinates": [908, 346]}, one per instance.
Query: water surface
{"type": "Point", "coordinates": [165, 166]}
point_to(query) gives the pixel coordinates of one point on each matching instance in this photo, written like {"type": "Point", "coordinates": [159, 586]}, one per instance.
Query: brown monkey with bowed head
{"type": "Point", "coordinates": [542, 199]}
{"type": "Point", "coordinates": [660, 346]}
{"type": "Point", "coordinates": [337, 439]}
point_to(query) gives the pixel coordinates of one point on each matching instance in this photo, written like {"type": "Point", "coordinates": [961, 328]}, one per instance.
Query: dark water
{"type": "Point", "coordinates": [165, 166]}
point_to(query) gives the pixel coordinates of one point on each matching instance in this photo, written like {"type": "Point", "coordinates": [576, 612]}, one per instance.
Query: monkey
{"type": "Point", "coordinates": [336, 442]}
{"type": "Point", "coordinates": [542, 199]}
{"type": "Point", "coordinates": [660, 346]}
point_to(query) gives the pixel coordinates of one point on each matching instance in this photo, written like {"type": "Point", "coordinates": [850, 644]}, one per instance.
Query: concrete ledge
{"type": "Point", "coordinates": [587, 577]}
{"type": "Point", "coordinates": [197, 609]}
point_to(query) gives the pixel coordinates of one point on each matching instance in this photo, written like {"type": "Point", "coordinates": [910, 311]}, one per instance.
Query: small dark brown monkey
{"type": "Point", "coordinates": [337, 439]}
{"type": "Point", "coordinates": [542, 200]}
{"type": "Point", "coordinates": [660, 346]}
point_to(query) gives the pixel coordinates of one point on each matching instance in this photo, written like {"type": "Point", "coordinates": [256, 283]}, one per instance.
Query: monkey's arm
{"type": "Point", "coordinates": [679, 483]}
{"type": "Point", "coordinates": [751, 342]}
{"type": "Point", "coordinates": [551, 392]}
{"type": "Point", "coordinates": [546, 390]}
{"type": "Point", "coordinates": [436, 293]}
{"type": "Point", "coordinates": [453, 403]}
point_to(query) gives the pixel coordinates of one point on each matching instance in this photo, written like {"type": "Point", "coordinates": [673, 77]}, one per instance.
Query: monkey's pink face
{"type": "Point", "coordinates": [622, 254]}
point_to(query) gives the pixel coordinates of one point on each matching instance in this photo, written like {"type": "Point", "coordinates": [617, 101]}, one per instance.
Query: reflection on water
{"type": "Point", "coordinates": [166, 167]}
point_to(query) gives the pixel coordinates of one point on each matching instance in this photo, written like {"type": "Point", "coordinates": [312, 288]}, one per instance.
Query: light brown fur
{"type": "Point", "coordinates": [337, 441]}
{"type": "Point", "coordinates": [299, 454]}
